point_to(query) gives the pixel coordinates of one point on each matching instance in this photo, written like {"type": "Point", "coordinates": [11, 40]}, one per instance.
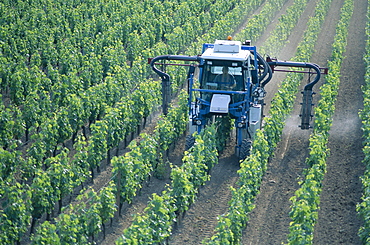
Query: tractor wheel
{"type": "Point", "coordinates": [190, 140]}
{"type": "Point", "coordinates": [245, 149]}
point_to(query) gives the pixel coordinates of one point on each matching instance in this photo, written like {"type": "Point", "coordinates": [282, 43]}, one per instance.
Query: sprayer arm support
{"type": "Point", "coordinates": [309, 86]}
{"type": "Point", "coordinates": [164, 75]}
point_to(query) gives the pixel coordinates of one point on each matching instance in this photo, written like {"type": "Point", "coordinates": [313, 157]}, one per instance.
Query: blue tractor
{"type": "Point", "coordinates": [228, 79]}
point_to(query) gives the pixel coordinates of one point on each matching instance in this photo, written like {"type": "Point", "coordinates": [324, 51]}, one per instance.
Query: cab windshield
{"type": "Point", "coordinates": [222, 76]}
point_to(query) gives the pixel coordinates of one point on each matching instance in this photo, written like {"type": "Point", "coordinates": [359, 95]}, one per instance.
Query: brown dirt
{"type": "Point", "coordinates": [342, 189]}
{"type": "Point", "coordinates": [269, 221]}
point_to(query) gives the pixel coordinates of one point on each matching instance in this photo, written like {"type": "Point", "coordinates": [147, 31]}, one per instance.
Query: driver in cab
{"type": "Point", "coordinates": [225, 81]}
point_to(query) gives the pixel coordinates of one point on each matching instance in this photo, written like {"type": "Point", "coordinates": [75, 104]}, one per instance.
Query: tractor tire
{"type": "Point", "coordinates": [190, 140]}
{"type": "Point", "coordinates": [245, 149]}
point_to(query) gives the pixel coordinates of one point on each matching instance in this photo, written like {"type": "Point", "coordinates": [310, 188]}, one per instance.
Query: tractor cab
{"type": "Point", "coordinates": [226, 66]}
{"type": "Point", "coordinates": [227, 81]}
{"type": "Point", "coordinates": [232, 79]}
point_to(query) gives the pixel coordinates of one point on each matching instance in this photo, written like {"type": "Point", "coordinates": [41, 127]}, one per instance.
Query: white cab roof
{"type": "Point", "coordinates": [226, 50]}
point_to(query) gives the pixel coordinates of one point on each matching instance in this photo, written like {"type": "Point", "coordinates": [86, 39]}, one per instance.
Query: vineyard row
{"type": "Point", "coordinates": [306, 201]}
{"type": "Point", "coordinates": [364, 207]}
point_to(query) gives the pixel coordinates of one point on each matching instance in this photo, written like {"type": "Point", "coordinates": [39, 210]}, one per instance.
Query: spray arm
{"type": "Point", "coordinates": [164, 75]}
{"type": "Point", "coordinates": [310, 85]}
{"type": "Point", "coordinates": [166, 84]}
{"type": "Point", "coordinates": [307, 91]}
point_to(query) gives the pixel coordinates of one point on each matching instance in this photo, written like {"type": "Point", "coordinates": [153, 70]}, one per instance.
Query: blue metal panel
{"type": "Point", "coordinates": [206, 46]}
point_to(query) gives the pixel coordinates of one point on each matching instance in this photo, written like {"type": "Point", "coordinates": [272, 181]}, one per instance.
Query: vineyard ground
{"type": "Point", "coordinates": [338, 222]}
{"type": "Point", "coordinates": [269, 221]}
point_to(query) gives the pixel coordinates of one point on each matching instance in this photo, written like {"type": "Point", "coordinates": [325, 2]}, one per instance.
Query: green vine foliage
{"type": "Point", "coordinates": [15, 213]}
{"type": "Point", "coordinates": [258, 22]}
{"type": "Point", "coordinates": [67, 66]}
{"type": "Point", "coordinates": [108, 205]}
{"type": "Point", "coordinates": [55, 88]}
{"type": "Point", "coordinates": [46, 235]}
{"type": "Point", "coordinates": [305, 202]}
{"type": "Point", "coordinates": [156, 222]}
{"type": "Point", "coordinates": [363, 208]}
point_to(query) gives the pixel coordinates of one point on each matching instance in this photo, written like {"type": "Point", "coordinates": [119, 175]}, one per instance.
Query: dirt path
{"type": "Point", "coordinates": [338, 222]}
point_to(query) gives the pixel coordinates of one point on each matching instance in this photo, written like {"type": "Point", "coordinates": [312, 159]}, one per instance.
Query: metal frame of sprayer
{"type": "Point", "coordinates": [244, 101]}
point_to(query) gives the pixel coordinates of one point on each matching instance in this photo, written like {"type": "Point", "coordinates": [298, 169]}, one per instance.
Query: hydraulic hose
{"type": "Point", "coordinates": [266, 70]}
